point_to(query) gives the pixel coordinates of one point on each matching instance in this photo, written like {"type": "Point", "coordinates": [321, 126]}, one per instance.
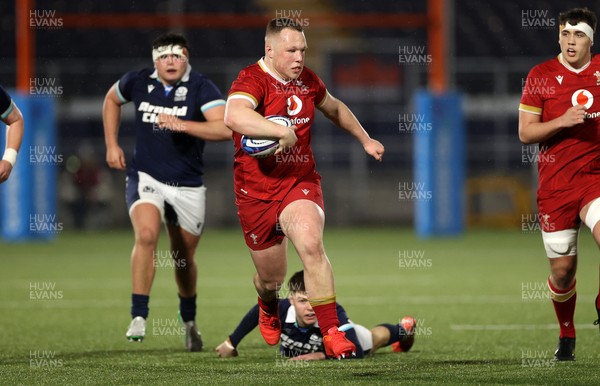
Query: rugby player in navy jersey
{"type": "Point", "coordinates": [11, 116]}
{"type": "Point", "coordinates": [177, 110]}
{"type": "Point", "coordinates": [301, 337]}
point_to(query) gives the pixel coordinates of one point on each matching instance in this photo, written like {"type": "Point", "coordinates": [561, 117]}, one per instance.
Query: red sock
{"type": "Point", "coordinates": [268, 307]}
{"type": "Point", "coordinates": [564, 306]}
{"type": "Point", "coordinates": [326, 313]}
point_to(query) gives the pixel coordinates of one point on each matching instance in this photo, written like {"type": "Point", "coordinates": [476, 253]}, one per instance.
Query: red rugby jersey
{"type": "Point", "coordinates": [551, 88]}
{"type": "Point", "coordinates": [272, 178]}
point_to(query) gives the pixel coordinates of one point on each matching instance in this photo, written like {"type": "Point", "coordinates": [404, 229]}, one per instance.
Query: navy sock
{"type": "Point", "coordinates": [187, 308]}
{"type": "Point", "coordinates": [139, 305]}
{"type": "Point", "coordinates": [394, 332]}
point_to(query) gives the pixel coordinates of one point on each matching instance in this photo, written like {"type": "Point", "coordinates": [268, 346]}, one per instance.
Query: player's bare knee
{"type": "Point", "coordinates": [183, 261]}
{"type": "Point", "coordinates": [563, 271]}
{"type": "Point", "coordinates": [272, 283]}
{"type": "Point", "coordinates": [563, 274]}
{"type": "Point", "coordinates": [182, 252]}
{"type": "Point", "coordinates": [272, 286]}
{"type": "Point", "coordinates": [311, 249]}
{"type": "Point", "coordinates": [146, 237]}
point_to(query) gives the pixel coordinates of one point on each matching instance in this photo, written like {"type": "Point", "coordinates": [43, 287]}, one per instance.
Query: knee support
{"type": "Point", "coordinates": [593, 214]}
{"type": "Point", "coordinates": [560, 243]}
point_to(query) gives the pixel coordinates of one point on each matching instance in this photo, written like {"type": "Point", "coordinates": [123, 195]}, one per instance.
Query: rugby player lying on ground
{"type": "Point", "coordinates": [301, 338]}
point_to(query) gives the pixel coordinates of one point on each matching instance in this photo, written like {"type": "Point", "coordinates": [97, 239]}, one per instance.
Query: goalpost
{"type": "Point", "coordinates": [439, 150]}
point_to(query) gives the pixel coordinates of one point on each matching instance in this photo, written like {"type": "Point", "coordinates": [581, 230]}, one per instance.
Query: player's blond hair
{"type": "Point", "coordinates": [277, 25]}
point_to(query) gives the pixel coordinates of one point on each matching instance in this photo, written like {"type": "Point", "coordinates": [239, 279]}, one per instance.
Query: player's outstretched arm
{"type": "Point", "coordinates": [213, 129]}
{"type": "Point", "coordinates": [533, 130]}
{"type": "Point", "coordinates": [228, 349]}
{"type": "Point", "coordinates": [313, 356]}
{"type": "Point", "coordinates": [14, 137]}
{"type": "Point", "coordinates": [241, 118]}
{"type": "Point", "coordinates": [111, 118]}
{"type": "Point", "coordinates": [337, 112]}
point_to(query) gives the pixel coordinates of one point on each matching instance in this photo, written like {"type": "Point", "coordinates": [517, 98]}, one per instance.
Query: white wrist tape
{"type": "Point", "coordinates": [229, 345]}
{"type": "Point", "coordinates": [10, 155]}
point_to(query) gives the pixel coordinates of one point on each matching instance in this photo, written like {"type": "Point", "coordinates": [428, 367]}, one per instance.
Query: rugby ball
{"type": "Point", "coordinates": [261, 148]}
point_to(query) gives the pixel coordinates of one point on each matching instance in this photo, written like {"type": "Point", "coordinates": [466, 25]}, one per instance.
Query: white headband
{"type": "Point", "coordinates": [167, 50]}
{"type": "Point", "coordinates": [581, 26]}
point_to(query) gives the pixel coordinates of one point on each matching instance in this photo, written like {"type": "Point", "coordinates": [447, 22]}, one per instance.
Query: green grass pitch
{"type": "Point", "coordinates": [479, 299]}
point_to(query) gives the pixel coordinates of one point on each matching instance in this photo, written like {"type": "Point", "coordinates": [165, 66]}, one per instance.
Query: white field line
{"type": "Point", "coordinates": [515, 327]}
{"type": "Point", "coordinates": [243, 300]}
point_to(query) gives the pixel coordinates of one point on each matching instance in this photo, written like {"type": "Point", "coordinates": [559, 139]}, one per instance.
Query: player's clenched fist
{"type": "Point", "coordinates": [288, 140]}
{"type": "Point", "coordinates": [5, 169]}
{"type": "Point", "coordinates": [115, 157]}
{"type": "Point", "coordinates": [226, 350]}
{"type": "Point", "coordinates": [574, 116]}
{"type": "Point", "coordinates": [375, 149]}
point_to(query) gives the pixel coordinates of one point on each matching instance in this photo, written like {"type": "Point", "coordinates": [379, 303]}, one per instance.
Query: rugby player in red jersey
{"type": "Point", "coordinates": [560, 110]}
{"type": "Point", "coordinates": [280, 197]}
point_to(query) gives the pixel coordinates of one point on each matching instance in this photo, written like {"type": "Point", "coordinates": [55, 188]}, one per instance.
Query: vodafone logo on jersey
{"type": "Point", "coordinates": [294, 105]}
{"type": "Point", "coordinates": [582, 97]}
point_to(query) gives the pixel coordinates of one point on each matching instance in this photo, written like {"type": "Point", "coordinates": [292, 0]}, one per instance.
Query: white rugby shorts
{"type": "Point", "coordinates": [183, 206]}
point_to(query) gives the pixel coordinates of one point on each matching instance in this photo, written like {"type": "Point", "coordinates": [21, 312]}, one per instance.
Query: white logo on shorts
{"type": "Point", "coordinates": [254, 238]}
{"type": "Point", "coordinates": [305, 191]}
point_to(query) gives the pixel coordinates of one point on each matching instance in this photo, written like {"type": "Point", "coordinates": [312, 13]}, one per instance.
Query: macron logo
{"type": "Point", "coordinates": [559, 78]}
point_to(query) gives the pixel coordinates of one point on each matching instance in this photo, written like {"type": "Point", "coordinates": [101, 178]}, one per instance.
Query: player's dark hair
{"type": "Point", "coordinates": [170, 38]}
{"type": "Point", "coordinates": [296, 282]}
{"type": "Point", "coordinates": [575, 15]}
{"type": "Point", "coordinates": [278, 24]}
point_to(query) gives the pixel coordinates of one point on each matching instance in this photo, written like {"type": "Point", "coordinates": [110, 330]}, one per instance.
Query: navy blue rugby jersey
{"type": "Point", "coordinates": [6, 105]}
{"type": "Point", "coordinates": [295, 340]}
{"type": "Point", "coordinates": [169, 157]}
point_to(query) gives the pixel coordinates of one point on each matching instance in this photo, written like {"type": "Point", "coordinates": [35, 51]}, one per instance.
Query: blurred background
{"type": "Point", "coordinates": [374, 55]}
